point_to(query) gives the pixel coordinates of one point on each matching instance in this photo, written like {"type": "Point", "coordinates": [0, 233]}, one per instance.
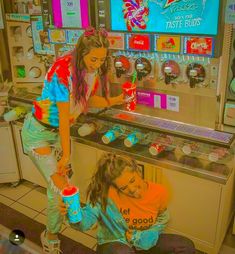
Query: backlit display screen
{"type": "Point", "coordinates": [165, 16]}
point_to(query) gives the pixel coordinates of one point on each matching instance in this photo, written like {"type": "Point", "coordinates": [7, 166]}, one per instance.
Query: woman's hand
{"type": "Point", "coordinates": [117, 100]}
{"type": "Point", "coordinates": [62, 164]}
{"type": "Point", "coordinates": [60, 181]}
{"type": "Point", "coordinates": [129, 235]}
{"type": "Point", "coordinates": [63, 207]}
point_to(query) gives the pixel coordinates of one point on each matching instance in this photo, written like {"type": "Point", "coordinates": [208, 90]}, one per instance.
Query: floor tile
{"type": "Point", "coordinates": [44, 211]}
{"type": "Point", "coordinates": [35, 200]}
{"type": "Point", "coordinates": [41, 190]}
{"type": "Point", "coordinates": [226, 250]}
{"type": "Point", "coordinates": [23, 209]}
{"type": "Point", "coordinates": [80, 237]}
{"type": "Point", "coordinates": [6, 201]}
{"type": "Point", "coordinates": [92, 232]}
{"type": "Point", "coordinates": [41, 218]}
{"type": "Point", "coordinates": [15, 192]}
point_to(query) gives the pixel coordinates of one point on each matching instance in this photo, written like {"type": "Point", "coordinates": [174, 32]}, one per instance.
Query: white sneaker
{"type": "Point", "coordinates": [50, 247]}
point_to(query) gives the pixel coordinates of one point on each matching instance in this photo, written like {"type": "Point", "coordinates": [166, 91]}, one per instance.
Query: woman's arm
{"type": "Point", "coordinates": [64, 131]}
{"type": "Point", "coordinates": [101, 102]}
{"type": "Point", "coordinates": [148, 238]}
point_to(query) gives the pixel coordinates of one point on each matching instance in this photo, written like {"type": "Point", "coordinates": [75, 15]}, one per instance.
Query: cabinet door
{"type": "Point", "coordinates": [83, 160]}
{"type": "Point", "coordinates": [9, 168]}
{"type": "Point", "coordinates": [28, 169]}
{"type": "Point", "coordinates": [194, 205]}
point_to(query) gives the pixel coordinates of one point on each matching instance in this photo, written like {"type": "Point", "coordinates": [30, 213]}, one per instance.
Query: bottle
{"type": "Point", "coordinates": [113, 134]}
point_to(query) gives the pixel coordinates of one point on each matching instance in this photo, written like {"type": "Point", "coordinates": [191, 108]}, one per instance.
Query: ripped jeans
{"type": "Point", "coordinates": [35, 135]}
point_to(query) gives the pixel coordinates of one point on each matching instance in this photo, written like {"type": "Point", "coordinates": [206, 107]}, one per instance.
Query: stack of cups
{"type": "Point", "coordinates": [156, 149]}
{"type": "Point", "coordinates": [190, 148]}
{"type": "Point", "coordinates": [129, 92]}
{"type": "Point", "coordinates": [86, 129]}
{"type": "Point", "coordinates": [71, 198]}
{"type": "Point", "coordinates": [218, 154]}
{"type": "Point", "coordinates": [112, 134]}
{"type": "Point", "coordinates": [133, 139]}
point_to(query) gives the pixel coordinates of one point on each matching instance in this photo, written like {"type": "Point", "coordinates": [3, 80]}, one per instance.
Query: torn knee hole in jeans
{"type": "Point", "coordinates": [42, 151]}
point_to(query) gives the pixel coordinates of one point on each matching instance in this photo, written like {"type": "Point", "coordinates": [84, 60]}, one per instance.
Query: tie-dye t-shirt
{"type": "Point", "coordinates": [58, 88]}
{"type": "Point", "coordinates": [142, 213]}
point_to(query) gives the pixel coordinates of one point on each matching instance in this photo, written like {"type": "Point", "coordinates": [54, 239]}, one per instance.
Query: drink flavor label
{"type": "Point", "coordinates": [167, 43]}
{"type": "Point", "coordinates": [41, 41]}
{"type": "Point", "coordinates": [140, 42]}
{"type": "Point", "coordinates": [116, 41]}
{"type": "Point", "coordinates": [158, 100]}
{"type": "Point", "coordinates": [57, 36]}
{"type": "Point", "coordinates": [203, 46]}
{"type": "Point", "coordinates": [230, 12]}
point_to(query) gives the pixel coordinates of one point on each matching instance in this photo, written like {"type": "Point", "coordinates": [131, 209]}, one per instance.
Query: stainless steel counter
{"type": "Point", "coordinates": [141, 153]}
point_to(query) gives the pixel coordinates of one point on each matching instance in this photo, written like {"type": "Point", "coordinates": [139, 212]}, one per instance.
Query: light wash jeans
{"type": "Point", "coordinates": [35, 135]}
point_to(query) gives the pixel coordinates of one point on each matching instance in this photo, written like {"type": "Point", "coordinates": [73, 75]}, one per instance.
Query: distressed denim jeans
{"type": "Point", "coordinates": [35, 135]}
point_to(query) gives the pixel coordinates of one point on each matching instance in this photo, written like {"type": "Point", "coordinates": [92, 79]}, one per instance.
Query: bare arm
{"type": "Point", "coordinates": [101, 102]}
{"type": "Point", "coordinates": [64, 131]}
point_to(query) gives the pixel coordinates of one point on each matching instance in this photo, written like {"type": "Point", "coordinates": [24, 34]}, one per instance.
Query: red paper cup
{"type": "Point", "coordinates": [129, 92]}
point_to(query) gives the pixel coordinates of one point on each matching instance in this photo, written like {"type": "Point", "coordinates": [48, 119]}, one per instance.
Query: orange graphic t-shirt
{"type": "Point", "coordinates": [140, 214]}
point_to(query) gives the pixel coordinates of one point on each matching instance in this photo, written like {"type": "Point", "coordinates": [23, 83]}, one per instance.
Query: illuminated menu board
{"type": "Point", "coordinates": [70, 13]}
{"type": "Point", "coordinates": [165, 16]}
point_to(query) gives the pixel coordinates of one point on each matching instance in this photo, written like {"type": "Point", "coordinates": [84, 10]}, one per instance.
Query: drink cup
{"type": "Point", "coordinates": [86, 129]}
{"type": "Point", "coordinates": [71, 197]}
{"type": "Point", "coordinates": [129, 92]}
{"type": "Point", "coordinates": [155, 149]}
{"type": "Point", "coordinates": [132, 139]}
{"type": "Point", "coordinates": [190, 148]}
{"type": "Point", "coordinates": [112, 134]}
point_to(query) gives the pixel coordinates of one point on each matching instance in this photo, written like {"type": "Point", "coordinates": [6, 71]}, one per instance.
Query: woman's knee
{"type": "Point", "coordinates": [42, 150]}
{"type": "Point", "coordinates": [114, 248]}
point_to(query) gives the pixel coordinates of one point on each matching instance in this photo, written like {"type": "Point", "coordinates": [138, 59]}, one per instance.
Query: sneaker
{"type": "Point", "coordinates": [50, 247]}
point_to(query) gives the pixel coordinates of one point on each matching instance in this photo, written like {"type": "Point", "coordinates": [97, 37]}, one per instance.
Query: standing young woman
{"type": "Point", "coordinates": [70, 87]}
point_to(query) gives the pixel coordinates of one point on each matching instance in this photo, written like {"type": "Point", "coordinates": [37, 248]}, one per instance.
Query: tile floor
{"type": "Point", "coordinates": [30, 200]}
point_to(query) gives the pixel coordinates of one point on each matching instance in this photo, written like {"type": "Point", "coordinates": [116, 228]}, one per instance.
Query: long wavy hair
{"type": "Point", "coordinates": [90, 39]}
{"type": "Point", "coordinates": [109, 167]}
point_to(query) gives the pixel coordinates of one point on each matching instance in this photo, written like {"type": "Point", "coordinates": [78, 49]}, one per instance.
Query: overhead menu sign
{"type": "Point", "coordinates": [165, 16]}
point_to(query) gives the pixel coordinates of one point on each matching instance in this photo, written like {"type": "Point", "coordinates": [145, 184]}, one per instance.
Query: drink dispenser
{"type": "Point", "coordinates": [143, 67]}
{"type": "Point", "coordinates": [170, 70]}
{"type": "Point", "coordinates": [122, 65]}
{"type": "Point", "coordinates": [196, 74]}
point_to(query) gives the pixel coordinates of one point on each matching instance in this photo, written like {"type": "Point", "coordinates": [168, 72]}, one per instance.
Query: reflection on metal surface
{"type": "Point", "coordinates": [174, 127]}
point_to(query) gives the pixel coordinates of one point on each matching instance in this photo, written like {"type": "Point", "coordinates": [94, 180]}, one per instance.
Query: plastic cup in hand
{"type": "Point", "coordinates": [129, 93]}
{"type": "Point", "coordinates": [71, 197]}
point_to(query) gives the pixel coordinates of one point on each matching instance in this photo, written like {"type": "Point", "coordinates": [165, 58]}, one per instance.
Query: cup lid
{"type": "Point", "coordinates": [68, 191]}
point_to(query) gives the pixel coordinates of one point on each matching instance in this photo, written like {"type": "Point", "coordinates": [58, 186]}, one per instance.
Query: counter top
{"type": "Point", "coordinates": [217, 172]}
